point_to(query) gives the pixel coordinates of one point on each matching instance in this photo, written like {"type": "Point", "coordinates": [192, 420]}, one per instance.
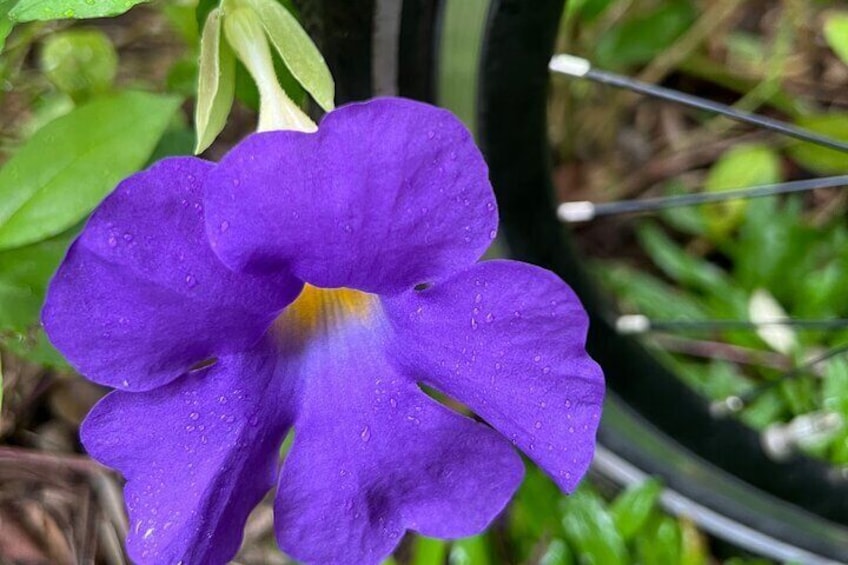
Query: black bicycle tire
{"type": "Point", "coordinates": [512, 131]}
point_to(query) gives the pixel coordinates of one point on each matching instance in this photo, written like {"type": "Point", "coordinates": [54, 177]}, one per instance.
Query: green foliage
{"type": "Point", "coordinates": [836, 34]}
{"type": "Point", "coordinates": [641, 38]}
{"type": "Point", "coordinates": [585, 528]}
{"type": "Point", "coordinates": [30, 10]}
{"type": "Point", "coordinates": [69, 165]}
{"type": "Point", "coordinates": [216, 83]}
{"type": "Point", "coordinates": [295, 48]}
{"type": "Point", "coordinates": [815, 158]}
{"type": "Point", "coordinates": [740, 167]}
{"type": "Point", "coordinates": [80, 62]}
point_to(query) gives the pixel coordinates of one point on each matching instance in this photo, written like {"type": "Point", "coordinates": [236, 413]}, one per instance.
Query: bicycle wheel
{"type": "Point", "coordinates": [715, 469]}
{"type": "Point", "coordinates": [795, 509]}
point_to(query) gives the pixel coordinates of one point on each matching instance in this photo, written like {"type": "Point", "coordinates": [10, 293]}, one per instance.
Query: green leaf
{"type": "Point", "coordinates": [80, 62]}
{"type": "Point", "coordinates": [6, 23]}
{"type": "Point", "coordinates": [590, 529]}
{"type": "Point", "coordinates": [470, 551]}
{"type": "Point", "coordinates": [836, 34]}
{"type": "Point", "coordinates": [297, 50]}
{"type": "Point", "coordinates": [69, 165]}
{"type": "Point", "coordinates": [640, 39]}
{"type": "Point", "coordinates": [739, 167]}
{"type": "Point", "coordinates": [818, 159]}
{"type": "Point", "coordinates": [428, 551]}
{"type": "Point", "coordinates": [660, 543]}
{"type": "Point", "coordinates": [632, 508]}
{"type": "Point", "coordinates": [31, 10]}
{"type": "Point", "coordinates": [24, 274]}
{"type": "Point", "coordinates": [675, 262]}
{"type": "Point", "coordinates": [215, 83]}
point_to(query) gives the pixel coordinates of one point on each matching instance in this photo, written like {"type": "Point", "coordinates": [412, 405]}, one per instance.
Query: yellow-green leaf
{"type": "Point", "coordinates": [31, 10]}
{"type": "Point", "coordinates": [215, 84]}
{"type": "Point", "coordinates": [836, 34]}
{"type": "Point", "coordinates": [740, 167]}
{"type": "Point", "coordinates": [297, 50]}
{"type": "Point", "coordinates": [818, 159]}
{"type": "Point", "coordinates": [69, 165]}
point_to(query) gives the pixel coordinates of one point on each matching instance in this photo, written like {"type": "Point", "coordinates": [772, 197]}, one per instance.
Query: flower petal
{"type": "Point", "coordinates": [198, 454]}
{"type": "Point", "coordinates": [387, 194]}
{"type": "Point", "coordinates": [373, 456]}
{"type": "Point", "coordinates": [141, 298]}
{"type": "Point", "coordinates": [508, 340]}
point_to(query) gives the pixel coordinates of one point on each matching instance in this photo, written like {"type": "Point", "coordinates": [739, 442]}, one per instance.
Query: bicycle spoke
{"type": "Point", "coordinates": [736, 403]}
{"type": "Point", "coordinates": [633, 324]}
{"type": "Point", "coordinates": [581, 68]}
{"type": "Point", "coordinates": [583, 211]}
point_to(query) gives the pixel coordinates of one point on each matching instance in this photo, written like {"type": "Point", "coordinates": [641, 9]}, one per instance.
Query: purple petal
{"type": "Point", "coordinates": [507, 339]}
{"type": "Point", "coordinates": [387, 194]}
{"type": "Point", "coordinates": [141, 297]}
{"type": "Point", "coordinates": [198, 454]}
{"type": "Point", "coordinates": [373, 455]}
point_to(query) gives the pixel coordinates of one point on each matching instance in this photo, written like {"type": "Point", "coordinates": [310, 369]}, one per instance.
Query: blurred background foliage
{"type": "Point", "coordinates": [84, 103]}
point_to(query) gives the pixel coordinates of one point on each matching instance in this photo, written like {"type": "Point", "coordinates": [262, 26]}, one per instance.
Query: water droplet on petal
{"type": "Point", "coordinates": [194, 415]}
{"type": "Point", "coordinates": [478, 298]}
{"type": "Point", "coordinates": [473, 324]}
{"type": "Point", "coordinates": [537, 425]}
{"type": "Point", "coordinates": [190, 281]}
{"type": "Point", "coordinates": [393, 402]}
{"type": "Point", "coordinates": [537, 358]}
{"type": "Point", "coordinates": [366, 433]}
{"type": "Point", "coordinates": [490, 318]}
{"type": "Point", "coordinates": [128, 237]}
{"type": "Point", "coordinates": [254, 420]}
{"type": "Point", "coordinates": [225, 225]}
{"type": "Point", "coordinates": [112, 241]}
{"type": "Point", "coordinates": [546, 370]}
{"type": "Point", "coordinates": [567, 403]}
{"type": "Point", "coordinates": [493, 234]}
{"type": "Point", "coordinates": [431, 134]}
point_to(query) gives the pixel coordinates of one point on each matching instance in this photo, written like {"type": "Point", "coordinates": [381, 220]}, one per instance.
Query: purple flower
{"type": "Point", "coordinates": [312, 282]}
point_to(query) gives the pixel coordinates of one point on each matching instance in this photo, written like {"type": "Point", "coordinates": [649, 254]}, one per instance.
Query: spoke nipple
{"type": "Point", "coordinates": [632, 324]}
{"type": "Point", "coordinates": [808, 430]}
{"type": "Point", "coordinates": [569, 65]}
{"type": "Point", "coordinates": [573, 212]}
{"type": "Point", "coordinates": [726, 407]}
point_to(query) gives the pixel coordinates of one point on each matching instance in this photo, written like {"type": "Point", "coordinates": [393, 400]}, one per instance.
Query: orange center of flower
{"type": "Point", "coordinates": [319, 310]}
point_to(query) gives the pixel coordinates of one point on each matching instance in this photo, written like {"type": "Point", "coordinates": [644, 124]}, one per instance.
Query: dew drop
{"type": "Point", "coordinates": [393, 402]}
{"type": "Point", "coordinates": [190, 281]}
{"type": "Point", "coordinates": [128, 237]}
{"type": "Point", "coordinates": [490, 318]}
{"type": "Point", "coordinates": [493, 234]}
{"type": "Point", "coordinates": [498, 366]}
{"type": "Point", "coordinates": [254, 420]}
{"type": "Point", "coordinates": [194, 415]}
{"type": "Point", "coordinates": [537, 425]}
{"type": "Point", "coordinates": [490, 206]}
{"type": "Point", "coordinates": [112, 241]}
{"type": "Point", "coordinates": [431, 134]}
{"type": "Point", "coordinates": [473, 324]}
{"type": "Point", "coordinates": [542, 404]}
{"type": "Point", "coordinates": [567, 403]}
{"type": "Point", "coordinates": [478, 298]}
{"type": "Point", "coordinates": [125, 383]}
{"type": "Point", "coordinates": [225, 225]}
{"type": "Point", "coordinates": [365, 435]}
{"type": "Point", "coordinates": [189, 428]}
{"type": "Point", "coordinates": [537, 358]}
{"type": "Point", "coordinates": [222, 399]}
{"type": "Point", "coordinates": [546, 370]}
